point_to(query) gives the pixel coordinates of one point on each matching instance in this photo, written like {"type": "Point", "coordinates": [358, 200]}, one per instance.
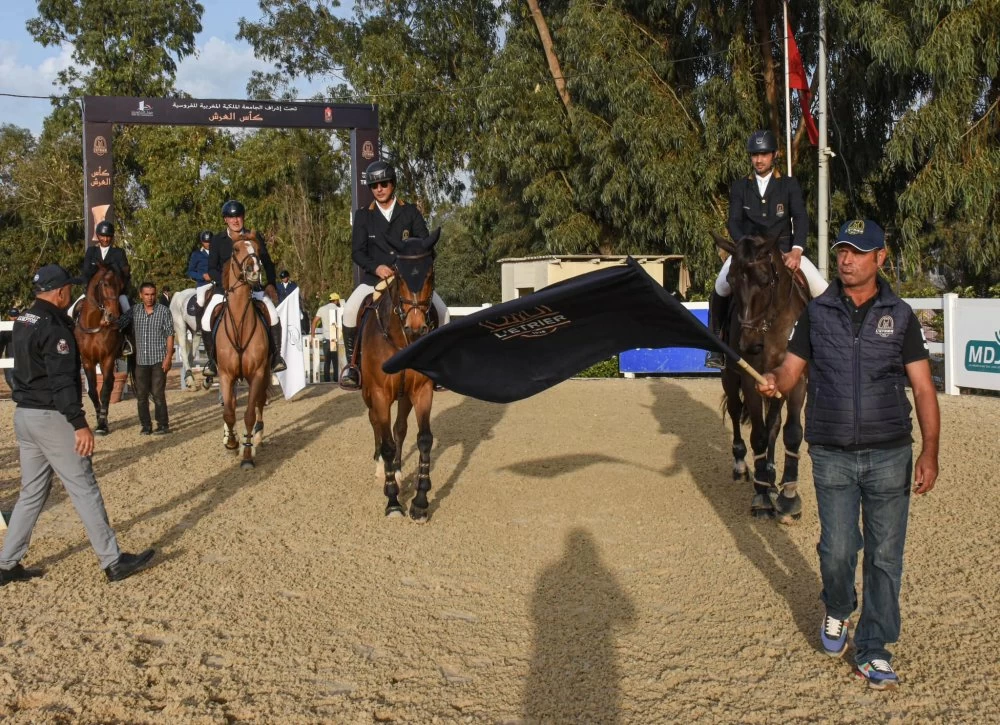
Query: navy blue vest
{"type": "Point", "coordinates": [857, 386]}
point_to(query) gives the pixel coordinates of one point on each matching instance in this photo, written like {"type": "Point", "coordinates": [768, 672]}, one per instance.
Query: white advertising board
{"type": "Point", "coordinates": [974, 343]}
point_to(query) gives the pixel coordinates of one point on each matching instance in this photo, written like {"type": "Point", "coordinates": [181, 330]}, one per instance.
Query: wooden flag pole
{"type": "Point", "coordinates": [754, 374]}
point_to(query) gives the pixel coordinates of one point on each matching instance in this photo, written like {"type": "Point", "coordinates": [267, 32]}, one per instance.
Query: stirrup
{"type": "Point", "coordinates": [209, 369]}
{"type": "Point", "coordinates": [278, 364]}
{"type": "Point", "coordinates": [127, 349]}
{"type": "Point", "coordinates": [349, 378]}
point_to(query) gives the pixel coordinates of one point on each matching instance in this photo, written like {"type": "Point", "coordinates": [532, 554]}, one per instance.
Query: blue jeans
{"type": "Point", "coordinates": [874, 483]}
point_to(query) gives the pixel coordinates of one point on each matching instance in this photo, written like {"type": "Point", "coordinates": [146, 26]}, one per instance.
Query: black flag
{"type": "Point", "coordinates": [513, 350]}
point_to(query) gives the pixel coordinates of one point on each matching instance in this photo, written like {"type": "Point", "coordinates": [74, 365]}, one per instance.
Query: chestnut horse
{"type": "Point", "coordinates": [400, 314]}
{"type": "Point", "coordinates": [242, 349]}
{"type": "Point", "coordinates": [99, 339]}
{"type": "Point", "coordinates": [767, 302]}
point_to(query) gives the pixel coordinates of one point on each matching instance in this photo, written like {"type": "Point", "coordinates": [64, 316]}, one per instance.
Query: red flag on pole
{"type": "Point", "coordinates": [797, 80]}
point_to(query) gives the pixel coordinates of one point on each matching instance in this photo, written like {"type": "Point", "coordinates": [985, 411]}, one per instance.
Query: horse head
{"type": "Point", "coordinates": [755, 272]}
{"type": "Point", "coordinates": [244, 265]}
{"type": "Point", "coordinates": [102, 293]}
{"type": "Point", "coordinates": [414, 271]}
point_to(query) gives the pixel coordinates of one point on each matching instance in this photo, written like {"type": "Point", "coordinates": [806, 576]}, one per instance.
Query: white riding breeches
{"type": "Point", "coordinates": [122, 301]}
{"type": "Point", "coordinates": [353, 306]}
{"type": "Point", "coordinates": [216, 300]}
{"type": "Point", "coordinates": [817, 285]}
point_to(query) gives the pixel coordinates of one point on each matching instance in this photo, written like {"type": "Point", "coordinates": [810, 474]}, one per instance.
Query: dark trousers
{"type": "Point", "coordinates": [151, 380]}
{"type": "Point", "coordinates": [329, 361]}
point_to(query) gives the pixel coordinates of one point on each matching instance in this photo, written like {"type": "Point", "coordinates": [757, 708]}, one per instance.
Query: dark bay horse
{"type": "Point", "coordinates": [400, 315]}
{"type": "Point", "coordinates": [242, 350]}
{"type": "Point", "coordinates": [99, 339]}
{"type": "Point", "coordinates": [767, 301]}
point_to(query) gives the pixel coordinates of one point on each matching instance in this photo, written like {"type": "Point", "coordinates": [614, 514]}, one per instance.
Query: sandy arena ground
{"type": "Point", "coordinates": [588, 560]}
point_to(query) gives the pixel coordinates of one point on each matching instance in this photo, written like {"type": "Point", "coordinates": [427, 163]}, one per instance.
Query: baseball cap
{"type": "Point", "coordinates": [862, 234]}
{"type": "Point", "coordinates": [51, 277]}
{"type": "Point", "coordinates": [334, 297]}
{"type": "Point", "coordinates": [13, 312]}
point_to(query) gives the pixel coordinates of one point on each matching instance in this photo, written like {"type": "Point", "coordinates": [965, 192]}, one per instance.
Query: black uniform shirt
{"type": "Point", "coordinates": [221, 250]}
{"type": "Point", "coordinates": [47, 363]}
{"type": "Point", "coordinates": [376, 240]}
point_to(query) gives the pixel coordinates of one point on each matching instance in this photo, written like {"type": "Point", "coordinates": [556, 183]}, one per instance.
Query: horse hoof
{"type": "Point", "coordinates": [788, 510]}
{"type": "Point", "coordinates": [394, 512]}
{"type": "Point", "coordinates": [231, 446]}
{"type": "Point", "coordinates": [101, 430]}
{"type": "Point", "coordinates": [418, 515]}
{"type": "Point", "coordinates": [761, 513]}
{"type": "Point", "coordinates": [247, 465]}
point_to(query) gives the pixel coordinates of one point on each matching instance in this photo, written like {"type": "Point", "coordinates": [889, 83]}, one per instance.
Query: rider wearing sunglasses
{"type": "Point", "coordinates": [378, 236]}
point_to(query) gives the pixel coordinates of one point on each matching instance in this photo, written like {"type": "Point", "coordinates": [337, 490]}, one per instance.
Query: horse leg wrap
{"type": "Point", "coordinates": [791, 473]}
{"type": "Point", "coordinates": [763, 471]}
{"type": "Point", "coordinates": [391, 491]}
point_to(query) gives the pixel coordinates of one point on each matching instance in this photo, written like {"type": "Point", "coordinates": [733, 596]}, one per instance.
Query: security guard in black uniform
{"type": "Point", "coordinates": [220, 252]}
{"type": "Point", "coordinates": [768, 204]}
{"type": "Point", "coordinates": [52, 432]}
{"type": "Point", "coordinates": [377, 237]}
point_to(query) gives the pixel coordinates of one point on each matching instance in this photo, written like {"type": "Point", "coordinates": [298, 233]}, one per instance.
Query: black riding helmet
{"type": "Point", "coordinates": [233, 208]}
{"type": "Point", "coordinates": [105, 229]}
{"type": "Point", "coordinates": [205, 236]}
{"type": "Point", "coordinates": [379, 171]}
{"type": "Point", "coordinates": [761, 142]}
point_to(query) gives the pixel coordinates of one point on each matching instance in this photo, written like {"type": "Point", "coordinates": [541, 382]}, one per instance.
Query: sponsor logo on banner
{"type": "Point", "coordinates": [884, 328]}
{"type": "Point", "coordinates": [144, 110]}
{"type": "Point", "coordinates": [100, 146]}
{"type": "Point", "coordinates": [328, 115]}
{"type": "Point", "coordinates": [537, 322]}
{"type": "Point", "coordinates": [983, 356]}
{"type": "Point", "coordinates": [368, 150]}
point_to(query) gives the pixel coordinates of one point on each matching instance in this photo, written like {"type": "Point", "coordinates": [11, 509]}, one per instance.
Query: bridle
{"type": "Point", "coordinates": [106, 315]}
{"type": "Point", "coordinates": [249, 275]}
{"type": "Point", "coordinates": [401, 306]}
{"type": "Point", "coordinates": [763, 322]}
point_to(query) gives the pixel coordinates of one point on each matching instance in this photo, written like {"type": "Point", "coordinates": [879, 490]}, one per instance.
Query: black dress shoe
{"type": "Point", "coordinates": [18, 573]}
{"type": "Point", "coordinates": [162, 430]}
{"type": "Point", "coordinates": [145, 431]}
{"type": "Point", "coordinates": [128, 564]}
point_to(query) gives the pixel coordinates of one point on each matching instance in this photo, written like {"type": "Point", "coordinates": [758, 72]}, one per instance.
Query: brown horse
{"type": "Point", "coordinates": [242, 347]}
{"type": "Point", "coordinates": [767, 301]}
{"type": "Point", "coordinates": [99, 339]}
{"type": "Point", "coordinates": [400, 315]}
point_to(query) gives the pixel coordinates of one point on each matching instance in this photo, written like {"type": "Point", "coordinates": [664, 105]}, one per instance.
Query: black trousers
{"type": "Point", "coordinates": [330, 361]}
{"type": "Point", "coordinates": [150, 380]}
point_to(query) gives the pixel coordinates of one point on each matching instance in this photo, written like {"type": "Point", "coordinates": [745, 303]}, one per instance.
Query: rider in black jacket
{"type": "Point", "coordinates": [105, 252]}
{"type": "Point", "coordinates": [220, 252]}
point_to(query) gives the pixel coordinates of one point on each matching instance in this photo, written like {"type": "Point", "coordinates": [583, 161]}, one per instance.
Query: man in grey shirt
{"type": "Point", "coordinates": [52, 432]}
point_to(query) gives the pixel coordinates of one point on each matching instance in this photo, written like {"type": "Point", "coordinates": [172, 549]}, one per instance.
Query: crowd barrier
{"type": "Point", "coordinates": [970, 343]}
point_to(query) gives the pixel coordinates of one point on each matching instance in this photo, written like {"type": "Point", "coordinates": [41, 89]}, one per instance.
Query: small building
{"type": "Point", "coordinates": [520, 276]}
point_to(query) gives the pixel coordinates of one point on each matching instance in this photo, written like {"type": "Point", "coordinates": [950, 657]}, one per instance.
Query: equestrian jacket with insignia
{"type": "Point", "coordinates": [376, 240]}
{"type": "Point", "coordinates": [770, 215]}
{"type": "Point", "coordinates": [115, 258]}
{"type": "Point", "coordinates": [221, 250]}
{"type": "Point", "coordinates": [47, 363]}
{"type": "Point", "coordinates": [857, 385]}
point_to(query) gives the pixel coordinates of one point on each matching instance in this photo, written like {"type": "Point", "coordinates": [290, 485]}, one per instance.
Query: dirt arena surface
{"type": "Point", "coordinates": [588, 560]}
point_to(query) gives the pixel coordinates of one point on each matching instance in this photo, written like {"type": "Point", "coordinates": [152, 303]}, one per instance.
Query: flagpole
{"type": "Point", "coordinates": [788, 96]}
{"type": "Point", "coordinates": [754, 374]}
{"type": "Point", "coordinates": [823, 182]}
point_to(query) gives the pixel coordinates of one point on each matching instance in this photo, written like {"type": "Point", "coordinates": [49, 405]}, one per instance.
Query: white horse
{"type": "Point", "coordinates": [184, 323]}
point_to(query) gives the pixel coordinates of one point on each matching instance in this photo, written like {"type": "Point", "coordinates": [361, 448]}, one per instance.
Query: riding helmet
{"type": "Point", "coordinates": [105, 229]}
{"type": "Point", "coordinates": [205, 236]}
{"type": "Point", "coordinates": [233, 208]}
{"type": "Point", "coordinates": [379, 171]}
{"type": "Point", "coordinates": [761, 142]}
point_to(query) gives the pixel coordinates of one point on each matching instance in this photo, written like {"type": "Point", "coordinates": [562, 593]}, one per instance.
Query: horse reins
{"type": "Point", "coordinates": [398, 302]}
{"type": "Point", "coordinates": [238, 326]}
{"type": "Point", "coordinates": [105, 315]}
{"type": "Point", "coordinates": [772, 284]}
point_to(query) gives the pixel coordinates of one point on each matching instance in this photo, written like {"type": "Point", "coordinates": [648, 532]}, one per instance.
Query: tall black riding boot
{"type": "Point", "coordinates": [209, 342]}
{"type": "Point", "coordinates": [350, 379]}
{"type": "Point", "coordinates": [277, 362]}
{"type": "Point", "coordinates": [718, 313]}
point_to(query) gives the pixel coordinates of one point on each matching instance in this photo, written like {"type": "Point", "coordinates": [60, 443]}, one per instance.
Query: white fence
{"type": "Point", "coordinates": [971, 346]}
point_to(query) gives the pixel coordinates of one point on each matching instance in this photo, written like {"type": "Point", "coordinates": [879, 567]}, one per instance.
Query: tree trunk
{"type": "Point", "coordinates": [762, 23]}
{"type": "Point", "coordinates": [550, 53]}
